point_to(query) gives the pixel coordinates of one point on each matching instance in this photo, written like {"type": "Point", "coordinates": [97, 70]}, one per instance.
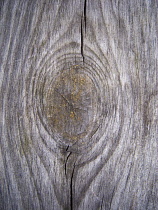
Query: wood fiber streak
{"type": "Point", "coordinates": [78, 104]}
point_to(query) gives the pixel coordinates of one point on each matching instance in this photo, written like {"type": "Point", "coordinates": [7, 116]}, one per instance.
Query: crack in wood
{"type": "Point", "coordinates": [83, 28]}
{"type": "Point", "coordinates": [66, 163]}
{"type": "Point", "coordinates": [70, 177]}
{"type": "Point", "coordinates": [82, 41]}
{"type": "Point", "coordinates": [67, 148]}
{"type": "Point", "coordinates": [110, 144]}
{"type": "Point", "coordinates": [71, 188]}
{"type": "Point", "coordinates": [85, 14]}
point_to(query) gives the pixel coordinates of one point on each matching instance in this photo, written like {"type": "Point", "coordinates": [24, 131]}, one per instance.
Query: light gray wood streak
{"type": "Point", "coordinates": [114, 166]}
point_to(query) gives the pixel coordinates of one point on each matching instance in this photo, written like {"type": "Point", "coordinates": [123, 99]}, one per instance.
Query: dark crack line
{"type": "Point", "coordinates": [71, 178]}
{"type": "Point", "coordinates": [67, 148]}
{"type": "Point", "coordinates": [82, 41]}
{"type": "Point", "coordinates": [71, 189]}
{"type": "Point", "coordinates": [83, 27]}
{"type": "Point", "coordinates": [66, 162]}
{"type": "Point", "coordinates": [85, 13]}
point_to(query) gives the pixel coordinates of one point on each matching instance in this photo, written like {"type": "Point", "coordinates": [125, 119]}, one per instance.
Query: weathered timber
{"type": "Point", "coordinates": [78, 104]}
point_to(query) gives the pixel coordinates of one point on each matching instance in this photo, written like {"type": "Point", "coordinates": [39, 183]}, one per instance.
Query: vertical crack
{"type": "Point", "coordinates": [66, 163]}
{"type": "Point", "coordinates": [83, 27]}
{"type": "Point", "coordinates": [85, 13]}
{"type": "Point", "coordinates": [82, 41]}
{"type": "Point", "coordinates": [69, 173]}
{"type": "Point", "coordinates": [67, 148]}
{"type": "Point", "coordinates": [71, 188]}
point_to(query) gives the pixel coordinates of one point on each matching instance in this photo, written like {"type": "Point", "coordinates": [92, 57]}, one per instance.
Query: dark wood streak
{"type": "Point", "coordinates": [108, 161]}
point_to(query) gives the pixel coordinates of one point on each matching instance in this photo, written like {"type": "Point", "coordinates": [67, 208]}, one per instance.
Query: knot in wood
{"type": "Point", "coordinates": [70, 103]}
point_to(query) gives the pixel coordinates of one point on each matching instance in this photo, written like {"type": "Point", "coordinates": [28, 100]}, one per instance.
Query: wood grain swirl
{"type": "Point", "coordinates": [78, 104]}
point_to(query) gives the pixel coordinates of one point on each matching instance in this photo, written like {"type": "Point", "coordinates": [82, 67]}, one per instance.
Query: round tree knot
{"type": "Point", "coordinates": [70, 104]}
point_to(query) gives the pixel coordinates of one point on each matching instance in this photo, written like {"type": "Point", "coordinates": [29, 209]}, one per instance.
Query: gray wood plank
{"type": "Point", "coordinates": [79, 104]}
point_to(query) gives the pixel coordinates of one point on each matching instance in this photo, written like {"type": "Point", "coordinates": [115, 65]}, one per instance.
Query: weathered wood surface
{"type": "Point", "coordinates": [79, 104]}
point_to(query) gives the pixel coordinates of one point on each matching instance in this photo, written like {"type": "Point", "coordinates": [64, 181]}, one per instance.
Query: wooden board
{"type": "Point", "coordinates": [78, 104]}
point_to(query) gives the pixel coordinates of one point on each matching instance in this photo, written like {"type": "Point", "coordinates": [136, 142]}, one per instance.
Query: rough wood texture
{"type": "Point", "coordinates": [79, 104]}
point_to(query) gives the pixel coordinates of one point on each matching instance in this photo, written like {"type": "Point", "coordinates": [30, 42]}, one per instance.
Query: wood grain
{"type": "Point", "coordinates": [79, 104]}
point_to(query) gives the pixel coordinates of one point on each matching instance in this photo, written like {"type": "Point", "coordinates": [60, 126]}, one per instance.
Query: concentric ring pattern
{"type": "Point", "coordinates": [73, 102]}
